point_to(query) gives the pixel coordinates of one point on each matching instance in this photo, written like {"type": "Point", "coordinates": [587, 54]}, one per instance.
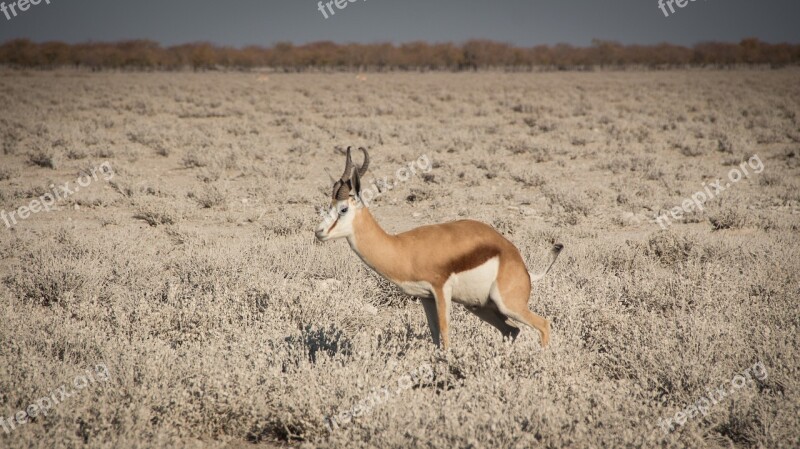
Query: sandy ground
{"type": "Point", "coordinates": [185, 263]}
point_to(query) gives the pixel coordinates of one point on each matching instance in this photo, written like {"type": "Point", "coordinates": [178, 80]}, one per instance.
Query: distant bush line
{"type": "Point", "coordinates": [472, 55]}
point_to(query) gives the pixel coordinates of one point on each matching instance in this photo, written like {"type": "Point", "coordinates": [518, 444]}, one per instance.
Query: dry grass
{"type": "Point", "coordinates": [193, 274]}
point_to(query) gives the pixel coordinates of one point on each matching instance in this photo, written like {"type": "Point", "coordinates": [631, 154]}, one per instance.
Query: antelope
{"type": "Point", "coordinates": [465, 261]}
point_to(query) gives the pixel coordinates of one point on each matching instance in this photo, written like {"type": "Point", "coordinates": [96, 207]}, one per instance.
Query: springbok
{"type": "Point", "coordinates": [464, 261]}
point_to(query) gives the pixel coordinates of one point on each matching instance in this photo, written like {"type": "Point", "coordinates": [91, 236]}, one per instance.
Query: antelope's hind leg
{"type": "Point", "coordinates": [516, 307]}
{"type": "Point", "coordinates": [533, 320]}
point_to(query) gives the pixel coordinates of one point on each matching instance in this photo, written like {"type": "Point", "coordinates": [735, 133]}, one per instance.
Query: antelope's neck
{"type": "Point", "coordinates": [378, 249]}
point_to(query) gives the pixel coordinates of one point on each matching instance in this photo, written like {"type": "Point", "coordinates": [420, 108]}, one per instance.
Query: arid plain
{"type": "Point", "coordinates": [186, 263]}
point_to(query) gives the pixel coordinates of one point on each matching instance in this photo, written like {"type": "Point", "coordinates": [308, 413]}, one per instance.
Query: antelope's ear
{"type": "Point", "coordinates": [336, 186]}
{"type": "Point", "coordinates": [356, 183]}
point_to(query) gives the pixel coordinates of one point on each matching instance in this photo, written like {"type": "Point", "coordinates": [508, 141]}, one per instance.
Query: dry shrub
{"type": "Point", "coordinates": [529, 178]}
{"type": "Point", "coordinates": [131, 189]}
{"type": "Point", "coordinates": [669, 247]}
{"type": "Point", "coordinates": [287, 225]}
{"type": "Point", "coordinates": [210, 196]}
{"type": "Point", "coordinates": [567, 201]}
{"type": "Point", "coordinates": [728, 216]}
{"type": "Point", "coordinates": [45, 159]}
{"type": "Point", "coordinates": [691, 150]}
{"type": "Point", "coordinates": [7, 173]}
{"type": "Point", "coordinates": [158, 212]}
{"type": "Point", "coordinates": [196, 159]}
{"type": "Point", "coordinates": [48, 277]}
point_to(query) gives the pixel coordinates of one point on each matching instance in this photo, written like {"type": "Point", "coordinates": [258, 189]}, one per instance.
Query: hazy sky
{"type": "Point", "coordinates": [522, 22]}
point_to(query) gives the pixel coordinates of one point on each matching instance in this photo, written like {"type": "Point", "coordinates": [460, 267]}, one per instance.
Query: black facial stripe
{"type": "Point", "coordinates": [332, 226]}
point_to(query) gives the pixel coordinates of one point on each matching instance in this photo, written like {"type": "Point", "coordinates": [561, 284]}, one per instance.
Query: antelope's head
{"type": "Point", "coordinates": [344, 206]}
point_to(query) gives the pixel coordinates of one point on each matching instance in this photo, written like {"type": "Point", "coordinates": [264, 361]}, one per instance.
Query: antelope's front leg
{"type": "Point", "coordinates": [442, 296]}
{"type": "Point", "coordinates": [429, 304]}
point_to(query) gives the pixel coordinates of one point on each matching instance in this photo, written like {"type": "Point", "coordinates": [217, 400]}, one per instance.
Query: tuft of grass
{"type": "Point", "coordinates": [691, 150]}
{"type": "Point", "coordinates": [7, 173]}
{"type": "Point", "coordinates": [45, 159]}
{"type": "Point", "coordinates": [210, 196]}
{"type": "Point", "coordinates": [568, 201]}
{"type": "Point", "coordinates": [669, 247]}
{"type": "Point", "coordinates": [194, 159]}
{"type": "Point", "coordinates": [75, 154]}
{"type": "Point", "coordinates": [49, 276]}
{"type": "Point", "coordinates": [529, 178]}
{"type": "Point", "coordinates": [728, 216]}
{"type": "Point", "coordinates": [157, 213]}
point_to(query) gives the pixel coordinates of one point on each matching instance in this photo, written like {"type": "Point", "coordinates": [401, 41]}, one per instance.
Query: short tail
{"type": "Point", "coordinates": [554, 252]}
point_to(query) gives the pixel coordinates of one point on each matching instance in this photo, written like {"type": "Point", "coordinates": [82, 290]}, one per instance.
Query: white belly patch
{"type": "Point", "coordinates": [419, 289]}
{"type": "Point", "coordinates": [471, 287]}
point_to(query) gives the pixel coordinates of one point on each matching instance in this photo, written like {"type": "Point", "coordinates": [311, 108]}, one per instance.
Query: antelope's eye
{"type": "Point", "coordinates": [343, 210]}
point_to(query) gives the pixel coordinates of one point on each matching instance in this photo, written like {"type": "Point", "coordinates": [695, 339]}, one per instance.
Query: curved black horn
{"type": "Point", "coordinates": [341, 191]}
{"type": "Point", "coordinates": [363, 169]}
{"type": "Point", "coordinates": [348, 167]}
